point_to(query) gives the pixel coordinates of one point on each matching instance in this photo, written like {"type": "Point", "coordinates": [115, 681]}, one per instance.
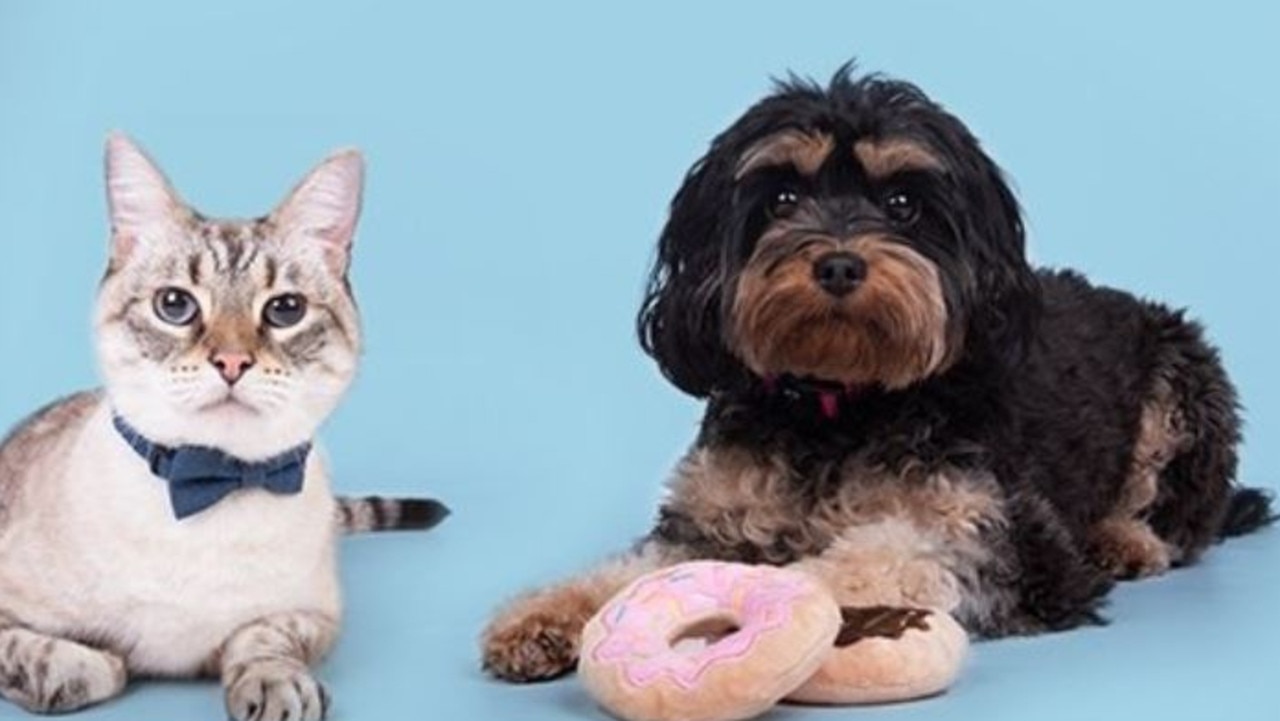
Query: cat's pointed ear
{"type": "Point", "coordinates": [140, 198]}
{"type": "Point", "coordinates": [326, 205]}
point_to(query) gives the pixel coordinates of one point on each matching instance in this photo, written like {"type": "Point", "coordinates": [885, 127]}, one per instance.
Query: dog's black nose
{"type": "Point", "coordinates": [839, 273]}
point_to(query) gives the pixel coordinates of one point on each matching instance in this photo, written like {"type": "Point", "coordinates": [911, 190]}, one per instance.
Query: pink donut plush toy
{"type": "Point", "coordinates": [713, 641]}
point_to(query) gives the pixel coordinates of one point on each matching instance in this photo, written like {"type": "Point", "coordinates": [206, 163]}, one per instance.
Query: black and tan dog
{"type": "Point", "coordinates": [897, 401]}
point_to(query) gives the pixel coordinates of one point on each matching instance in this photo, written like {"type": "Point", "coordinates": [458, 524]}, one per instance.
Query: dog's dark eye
{"type": "Point", "coordinates": [285, 310]}
{"type": "Point", "coordinates": [784, 204]}
{"type": "Point", "coordinates": [175, 306]}
{"type": "Point", "coordinates": [901, 206]}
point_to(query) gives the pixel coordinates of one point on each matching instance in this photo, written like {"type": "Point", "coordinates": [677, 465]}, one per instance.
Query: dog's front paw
{"type": "Point", "coordinates": [537, 637]}
{"type": "Point", "coordinates": [52, 675]}
{"type": "Point", "coordinates": [273, 689]}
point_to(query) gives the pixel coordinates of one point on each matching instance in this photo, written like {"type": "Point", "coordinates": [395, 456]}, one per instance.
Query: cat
{"type": "Point", "coordinates": [178, 522]}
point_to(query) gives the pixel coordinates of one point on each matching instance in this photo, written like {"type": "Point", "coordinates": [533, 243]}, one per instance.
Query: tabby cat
{"type": "Point", "coordinates": [178, 522]}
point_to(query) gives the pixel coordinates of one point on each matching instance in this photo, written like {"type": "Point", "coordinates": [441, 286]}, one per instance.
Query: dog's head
{"type": "Point", "coordinates": [854, 234]}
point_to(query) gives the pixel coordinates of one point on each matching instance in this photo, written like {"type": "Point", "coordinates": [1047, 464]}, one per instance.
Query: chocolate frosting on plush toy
{"type": "Point", "coordinates": [862, 622]}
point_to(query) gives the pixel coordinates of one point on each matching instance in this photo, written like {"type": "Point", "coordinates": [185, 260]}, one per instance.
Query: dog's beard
{"type": "Point", "coordinates": [892, 331]}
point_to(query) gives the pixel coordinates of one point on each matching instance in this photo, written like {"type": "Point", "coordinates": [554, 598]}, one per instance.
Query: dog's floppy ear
{"type": "Point", "coordinates": [1004, 324]}
{"type": "Point", "coordinates": [682, 318]}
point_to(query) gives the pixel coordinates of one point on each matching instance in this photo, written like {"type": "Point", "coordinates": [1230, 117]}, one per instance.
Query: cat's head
{"type": "Point", "coordinates": [235, 334]}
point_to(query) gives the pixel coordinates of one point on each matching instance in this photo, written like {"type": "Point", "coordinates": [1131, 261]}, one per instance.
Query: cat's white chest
{"type": "Point", "coordinates": [108, 559]}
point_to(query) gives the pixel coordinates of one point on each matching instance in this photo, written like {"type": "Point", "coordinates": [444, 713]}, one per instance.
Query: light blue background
{"type": "Point", "coordinates": [521, 158]}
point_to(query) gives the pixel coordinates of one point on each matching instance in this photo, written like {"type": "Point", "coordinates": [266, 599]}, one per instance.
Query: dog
{"type": "Point", "coordinates": [897, 401]}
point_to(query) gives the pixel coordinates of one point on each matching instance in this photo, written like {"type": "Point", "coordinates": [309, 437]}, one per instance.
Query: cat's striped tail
{"type": "Point", "coordinates": [375, 513]}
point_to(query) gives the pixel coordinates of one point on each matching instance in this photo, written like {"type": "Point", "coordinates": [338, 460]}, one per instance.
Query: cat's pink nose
{"type": "Point", "coordinates": [231, 364]}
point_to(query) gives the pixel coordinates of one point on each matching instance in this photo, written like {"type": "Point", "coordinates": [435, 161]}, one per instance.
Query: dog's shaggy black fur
{"type": "Point", "coordinates": [1046, 390]}
{"type": "Point", "coordinates": [843, 278]}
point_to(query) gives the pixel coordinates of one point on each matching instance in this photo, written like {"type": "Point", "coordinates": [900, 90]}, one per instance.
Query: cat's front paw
{"type": "Point", "coordinates": [276, 690]}
{"type": "Point", "coordinates": [537, 637]}
{"type": "Point", "coordinates": [52, 675]}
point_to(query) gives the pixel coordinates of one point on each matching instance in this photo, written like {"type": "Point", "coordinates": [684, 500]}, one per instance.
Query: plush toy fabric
{"type": "Point", "coordinates": [707, 641]}
{"type": "Point", "coordinates": [712, 641]}
{"type": "Point", "coordinates": [888, 654]}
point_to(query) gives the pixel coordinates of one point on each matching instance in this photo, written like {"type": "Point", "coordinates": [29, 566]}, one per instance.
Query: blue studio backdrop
{"type": "Point", "coordinates": [521, 158]}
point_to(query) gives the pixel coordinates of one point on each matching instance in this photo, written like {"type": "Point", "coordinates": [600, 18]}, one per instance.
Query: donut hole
{"type": "Point", "coordinates": [697, 636]}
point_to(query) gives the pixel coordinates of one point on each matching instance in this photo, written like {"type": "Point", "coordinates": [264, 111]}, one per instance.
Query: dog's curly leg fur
{"type": "Point", "coordinates": [888, 563]}
{"type": "Point", "coordinates": [536, 637]}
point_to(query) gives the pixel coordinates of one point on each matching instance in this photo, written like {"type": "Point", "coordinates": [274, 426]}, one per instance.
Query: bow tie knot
{"type": "Point", "coordinates": [199, 476]}
{"type": "Point", "coordinates": [255, 477]}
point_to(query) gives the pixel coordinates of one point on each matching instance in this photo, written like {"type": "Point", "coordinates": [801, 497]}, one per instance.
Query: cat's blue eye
{"type": "Point", "coordinates": [175, 306]}
{"type": "Point", "coordinates": [285, 310]}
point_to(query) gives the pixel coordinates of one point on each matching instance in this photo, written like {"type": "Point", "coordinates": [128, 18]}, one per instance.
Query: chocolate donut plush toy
{"type": "Point", "coordinates": [887, 654]}
{"type": "Point", "coordinates": [712, 641]}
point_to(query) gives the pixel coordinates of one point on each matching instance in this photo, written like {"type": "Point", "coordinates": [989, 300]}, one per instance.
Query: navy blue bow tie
{"type": "Point", "coordinates": [200, 477]}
